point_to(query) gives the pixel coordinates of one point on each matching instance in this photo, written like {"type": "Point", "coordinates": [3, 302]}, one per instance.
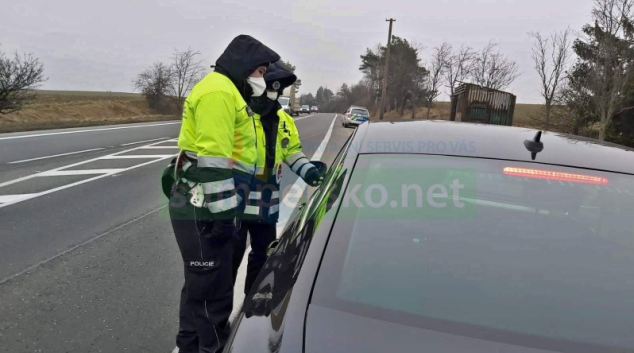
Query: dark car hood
{"type": "Point", "coordinates": [329, 330]}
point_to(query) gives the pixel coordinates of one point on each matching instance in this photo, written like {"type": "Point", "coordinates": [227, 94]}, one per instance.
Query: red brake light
{"type": "Point", "coordinates": [552, 175]}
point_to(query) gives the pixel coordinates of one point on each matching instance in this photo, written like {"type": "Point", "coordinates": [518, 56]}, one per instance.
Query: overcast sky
{"type": "Point", "coordinates": [102, 45]}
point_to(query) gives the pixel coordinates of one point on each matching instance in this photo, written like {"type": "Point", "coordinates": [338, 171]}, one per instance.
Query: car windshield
{"type": "Point", "coordinates": [304, 106]}
{"type": "Point", "coordinates": [474, 245]}
{"type": "Point", "coordinates": [283, 100]}
{"type": "Point", "coordinates": [363, 112]}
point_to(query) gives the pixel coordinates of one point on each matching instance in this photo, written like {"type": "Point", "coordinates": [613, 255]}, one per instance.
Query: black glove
{"type": "Point", "coordinates": [314, 176]}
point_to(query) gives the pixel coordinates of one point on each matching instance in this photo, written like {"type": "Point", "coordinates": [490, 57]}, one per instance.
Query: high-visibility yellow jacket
{"type": "Point", "coordinates": [218, 132]}
{"type": "Point", "coordinates": [287, 141]}
{"type": "Point", "coordinates": [280, 143]}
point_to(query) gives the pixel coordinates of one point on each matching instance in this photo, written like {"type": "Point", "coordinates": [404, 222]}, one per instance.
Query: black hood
{"type": "Point", "coordinates": [243, 55]}
{"type": "Point", "coordinates": [277, 72]}
{"type": "Point", "coordinates": [281, 74]}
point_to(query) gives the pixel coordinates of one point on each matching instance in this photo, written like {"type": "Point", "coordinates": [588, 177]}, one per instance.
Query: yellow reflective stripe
{"type": "Point", "coordinates": [253, 210]}
{"type": "Point", "coordinates": [244, 167]}
{"type": "Point", "coordinates": [213, 162]}
{"type": "Point", "coordinates": [215, 187]}
{"type": "Point", "coordinates": [223, 205]}
{"type": "Point", "coordinates": [274, 209]}
{"type": "Point", "coordinates": [297, 167]}
{"type": "Point", "coordinates": [255, 195]}
{"type": "Point", "coordinates": [275, 195]}
{"type": "Point", "coordinates": [221, 162]}
{"type": "Point", "coordinates": [293, 158]}
{"type": "Point", "coordinates": [186, 165]}
{"type": "Point", "coordinates": [190, 183]}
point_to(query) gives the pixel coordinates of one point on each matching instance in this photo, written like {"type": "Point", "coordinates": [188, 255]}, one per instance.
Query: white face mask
{"type": "Point", "coordinates": [258, 84]}
{"type": "Point", "coordinates": [271, 95]}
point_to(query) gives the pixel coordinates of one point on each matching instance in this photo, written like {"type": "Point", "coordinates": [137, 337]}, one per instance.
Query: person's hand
{"type": "Point", "coordinates": [313, 177]}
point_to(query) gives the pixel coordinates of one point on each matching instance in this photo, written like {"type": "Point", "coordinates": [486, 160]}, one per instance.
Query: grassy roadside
{"type": "Point", "coordinates": [64, 109]}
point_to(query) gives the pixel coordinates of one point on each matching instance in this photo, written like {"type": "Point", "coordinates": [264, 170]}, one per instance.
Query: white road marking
{"type": "Point", "coordinates": [158, 147]}
{"type": "Point", "coordinates": [304, 117]}
{"type": "Point", "coordinates": [238, 288]}
{"type": "Point", "coordinates": [12, 198]}
{"type": "Point", "coordinates": [74, 184]}
{"type": "Point", "coordinates": [55, 155]}
{"type": "Point", "coordinates": [90, 130]}
{"type": "Point", "coordinates": [287, 206]}
{"type": "Point", "coordinates": [80, 172]}
{"type": "Point", "coordinates": [134, 143]}
{"type": "Point", "coordinates": [80, 245]}
{"type": "Point", "coordinates": [67, 166]}
{"type": "Point", "coordinates": [133, 156]}
{"type": "Point", "coordinates": [153, 159]}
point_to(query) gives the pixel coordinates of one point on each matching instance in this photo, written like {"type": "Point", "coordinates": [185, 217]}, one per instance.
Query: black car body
{"type": "Point", "coordinates": [536, 281]}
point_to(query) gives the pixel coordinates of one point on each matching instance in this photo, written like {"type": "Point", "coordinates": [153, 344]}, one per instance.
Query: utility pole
{"type": "Point", "coordinates": [387, 67]}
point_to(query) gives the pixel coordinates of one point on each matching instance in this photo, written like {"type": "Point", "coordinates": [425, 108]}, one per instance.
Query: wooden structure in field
{"type": "Point", "coordinates": [476, 104]}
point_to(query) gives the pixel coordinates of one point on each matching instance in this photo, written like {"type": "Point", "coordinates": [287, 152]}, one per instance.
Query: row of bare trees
{"type": "Point", "coordinates": [586, 80]}
{"type": "Point", "coordinates": [487, 67]}
{"type": "Point", "coordinates": [413, 83]}
{"type": "Point", "coordinates": [595, 93]}
{"type": "Point", "coordinates": [166, 85]}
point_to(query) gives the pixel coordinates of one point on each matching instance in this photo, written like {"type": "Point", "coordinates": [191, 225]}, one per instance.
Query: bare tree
{"type": "Point", "coordinates": [155, 83]}
{"type": "Point", "coordinates": [550, 57]}
{"type": "Point", "coordinates": [186, 70]}
{"type": "Point", "coordinates": [458, 67]}
{"type": "Point", "coordinates": [19, 76]}
{"type": "Point", "coordinates": [610, 66]}
{"type": "Point", "coordinates": [436, 73]}
{"type": "Point", "coordinates": [493, 69]}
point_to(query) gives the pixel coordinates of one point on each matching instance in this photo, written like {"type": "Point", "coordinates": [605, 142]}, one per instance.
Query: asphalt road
{"type": "Point", "coordinates": [88, 261]}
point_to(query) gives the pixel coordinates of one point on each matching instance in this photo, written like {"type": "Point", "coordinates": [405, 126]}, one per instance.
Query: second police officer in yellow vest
{"type": "Point", "coordinates": [276, 131]}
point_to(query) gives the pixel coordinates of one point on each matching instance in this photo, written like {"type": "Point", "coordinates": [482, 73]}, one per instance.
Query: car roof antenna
{"type": "Point", "coordinates": [535, 145]}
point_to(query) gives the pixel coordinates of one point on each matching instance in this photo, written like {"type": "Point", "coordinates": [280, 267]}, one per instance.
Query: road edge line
{"type": "Point", "coordinates": [299, 183]}
{"type": "Point", "coordinates": [56, 155]}
{"type": "Point", "coordinates": [116, 127]}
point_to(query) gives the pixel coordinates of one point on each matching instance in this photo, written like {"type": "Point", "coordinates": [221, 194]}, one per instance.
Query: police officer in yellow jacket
{"type": "Point", "coordinates": [276, 131]}
{"type": "Point", "coordinates": [218, 154]}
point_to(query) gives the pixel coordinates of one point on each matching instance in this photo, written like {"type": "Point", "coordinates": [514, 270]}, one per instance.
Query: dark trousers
{"type": "Point", "coordinates": [262, 235]}
{"type": "Point", "coordinates": [206, 301]}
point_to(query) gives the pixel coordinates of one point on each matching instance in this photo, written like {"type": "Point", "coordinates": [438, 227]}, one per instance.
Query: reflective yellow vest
{"type": "Point", "coordinates": [264, 200]}
{"type": "Point", "coordinates": [287, 143]}
{"type": "Point", "coordinates": [219, 134]}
